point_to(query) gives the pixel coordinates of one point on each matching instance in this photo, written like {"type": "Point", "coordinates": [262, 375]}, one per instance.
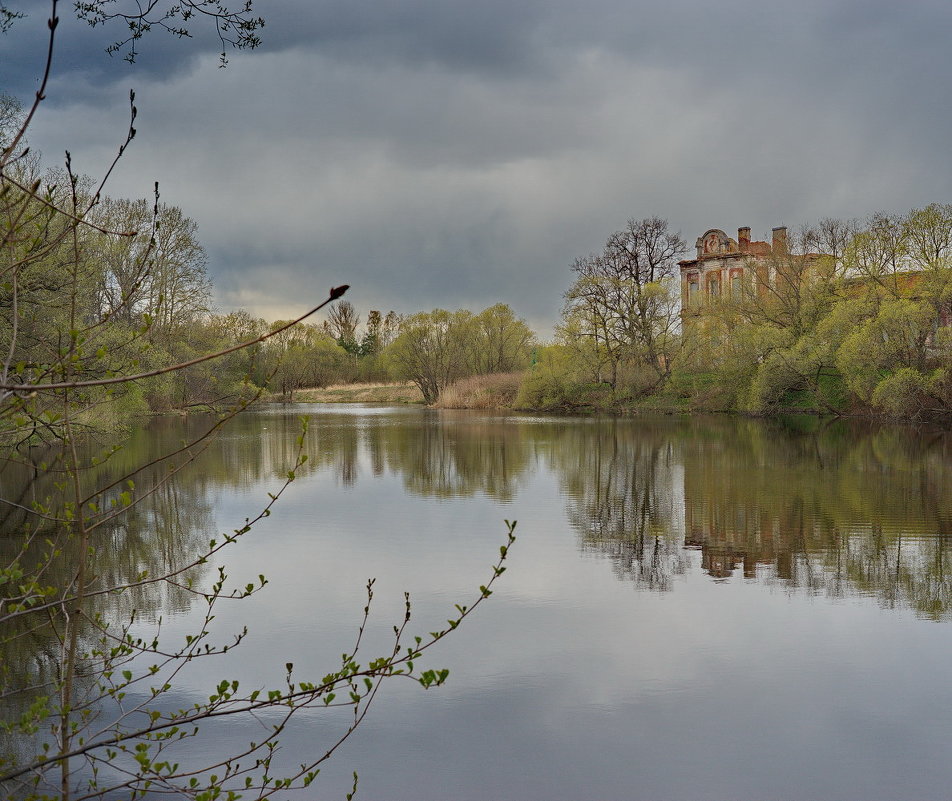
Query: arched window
{"type": "Point", "coordinates": [737, 284]}
{"type": "Point", "coordinates": [693, 289]}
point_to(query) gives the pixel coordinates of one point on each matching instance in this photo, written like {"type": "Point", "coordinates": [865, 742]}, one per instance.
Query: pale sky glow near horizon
{"type": "Point", "coordinates": [438, 153]}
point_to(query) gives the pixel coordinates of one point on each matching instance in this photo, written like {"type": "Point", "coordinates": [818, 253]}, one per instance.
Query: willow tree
{"type": "Point", "coordinates": [498, 341]}
{"type": "Point", "coordinates": [430, 350]}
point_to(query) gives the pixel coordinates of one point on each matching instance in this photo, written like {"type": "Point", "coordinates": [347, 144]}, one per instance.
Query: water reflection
{"type": "Point", "coordinates": [623, 485]}
{"type": "Point", "coordinates": [172, 520]}
{"type": "Point", "coordinates": [455, 455]}
{"type": "Point", "coordinates": [437, 455]}
{"type": "Point", "coordinates": [836, 509]}
{"type": "Point", "coordinates": [832, 508]}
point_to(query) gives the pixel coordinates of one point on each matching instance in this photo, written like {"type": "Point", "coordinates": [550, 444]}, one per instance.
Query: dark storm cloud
{"type": "Point", "coordinates": [491, 37]}
{"type": "Point", "coordinates": [80, 62]}
{"type": "Point", "coordinates": [431, 152]}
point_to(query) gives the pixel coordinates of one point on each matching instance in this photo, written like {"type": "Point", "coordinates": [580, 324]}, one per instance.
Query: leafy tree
{"type": "Point", "coordinates": [894, 337]}
{"type": "Point", "coordinates": [929, 236]}
{"type": "Point", "coordinates": [434, 349]}
{"type": "Point", "coordinates": [156, 274]}
{"type": "Point", "coordinates": [929, 248]}
{"type": "Point", "coordinates": [865, 324]}
{"type": "Point", "coordinates": [234, 328]}
{"type": "Point", "coordinates": [550, 383]}
{"type": "Point", "coordinates": [304, 356]}
{"type": "Point", "coordinates": [370, 345]}
{"type": "Point", "coordinates": [767, 334]}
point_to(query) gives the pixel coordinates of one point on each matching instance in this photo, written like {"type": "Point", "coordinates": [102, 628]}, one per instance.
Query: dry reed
{"type": "Point", "coordinates": [495, 391]}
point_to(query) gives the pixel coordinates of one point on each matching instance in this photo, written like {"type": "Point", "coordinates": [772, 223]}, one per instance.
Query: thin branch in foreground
{"type": "Point", "coordinates": [18, 389]}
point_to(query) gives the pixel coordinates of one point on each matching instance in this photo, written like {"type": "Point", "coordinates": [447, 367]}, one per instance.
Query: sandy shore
{"type": "Point", "coordinates": [360, 393]}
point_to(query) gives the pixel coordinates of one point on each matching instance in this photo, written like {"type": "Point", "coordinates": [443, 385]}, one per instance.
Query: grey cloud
{"type": "Point", "coordinates": [490, 37]}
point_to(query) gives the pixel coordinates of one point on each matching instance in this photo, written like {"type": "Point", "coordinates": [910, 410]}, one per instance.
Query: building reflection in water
{"type": "Point", "coordinates": [836, 509]}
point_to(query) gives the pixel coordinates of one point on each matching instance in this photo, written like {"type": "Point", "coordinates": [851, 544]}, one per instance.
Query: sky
{"type": "Point", "coordinates": [442, 153]}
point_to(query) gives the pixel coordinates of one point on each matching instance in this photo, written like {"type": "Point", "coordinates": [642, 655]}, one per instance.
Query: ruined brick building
{"type": "Point", "coordinates": [724, 267]}
{"type": "Point", "coordinates": [723, 264]}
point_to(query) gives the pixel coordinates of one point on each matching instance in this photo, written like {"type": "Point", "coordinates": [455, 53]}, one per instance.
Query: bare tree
{"type": "Point", "coordinates": [644, 251]}
{"type": "Point", "coordinates": [342, 322]}
{"type": "Point", "coordinates": [624, 299]}
{"type": "Point", "coordinates": [236, 27]}
{"type": "Point", "coordinates": [829, 237]}
{"type": "Point", "coordinates": [11, 112]}
{"type": "Point", "coordinates": [389, 328]}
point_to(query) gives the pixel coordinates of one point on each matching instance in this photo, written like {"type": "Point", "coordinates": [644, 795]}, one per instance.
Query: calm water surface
{"type": "Point", "coordinates": [694, 609]}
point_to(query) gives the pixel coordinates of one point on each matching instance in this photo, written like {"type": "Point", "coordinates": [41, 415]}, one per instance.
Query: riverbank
{"type": "Point", "coordinates": [502, 391]}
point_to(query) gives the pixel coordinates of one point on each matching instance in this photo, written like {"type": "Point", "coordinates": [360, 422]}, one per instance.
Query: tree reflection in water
{"type": "Point", "coordinates": [621, 482]}
{"type": "Point", "coordinates": [155, 536]}
{"type": "Point", "coordinates": [831, 508]}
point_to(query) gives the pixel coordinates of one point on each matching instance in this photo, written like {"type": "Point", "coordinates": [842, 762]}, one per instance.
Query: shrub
{"type": "Point", "coordinates": [548, 385]}
{"type": "Point", "coordinates": [902, 394]}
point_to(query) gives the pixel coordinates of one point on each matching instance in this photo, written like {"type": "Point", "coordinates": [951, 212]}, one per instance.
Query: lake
{"type": "Point", "coordinates": [695, 608]}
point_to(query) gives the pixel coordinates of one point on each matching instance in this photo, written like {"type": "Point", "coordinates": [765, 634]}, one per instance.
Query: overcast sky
{"type": "Point", "coordinates": [455, 153]}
